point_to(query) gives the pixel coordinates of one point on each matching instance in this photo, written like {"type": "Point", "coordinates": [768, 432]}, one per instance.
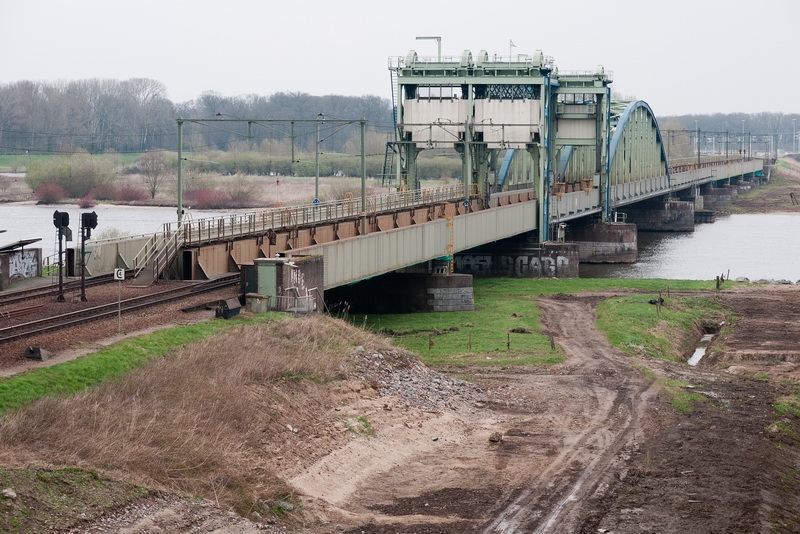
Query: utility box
{"type": "Point", "coordinates": [292, 284]}
{"type": "Point", "coordinates": [229, 308]}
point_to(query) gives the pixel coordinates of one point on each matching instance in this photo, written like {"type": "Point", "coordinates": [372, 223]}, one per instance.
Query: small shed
{"type": "Point", "coordinates": [292, 284]}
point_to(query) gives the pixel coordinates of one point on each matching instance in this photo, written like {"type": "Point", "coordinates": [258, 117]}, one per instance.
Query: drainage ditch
{"type": "Point", "coordinates": [702, 346]}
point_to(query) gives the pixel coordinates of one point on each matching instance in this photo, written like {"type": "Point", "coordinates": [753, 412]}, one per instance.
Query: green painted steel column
{"type": "Point", "coordinates": [467, 161]}
{"type": "Point", "coordinates": [316, 160]}
{"type": "Point", "coordinates": [605, 184]}
{"type": "Point", "coordinates": [180, 172]}
{"type": "Point", "coordinates": [363, 178]}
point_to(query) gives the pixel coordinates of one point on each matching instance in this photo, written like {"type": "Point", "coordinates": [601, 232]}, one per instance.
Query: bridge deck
{"type": "Point", "coordinates": [389, 232]}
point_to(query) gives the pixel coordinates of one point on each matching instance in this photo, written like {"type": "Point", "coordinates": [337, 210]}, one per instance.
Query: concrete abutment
{"type": "Point", "coordinates": [605, 242]}
{"type": "Point", "coordinates": [404, 293]}
{"type": "Point", "coordinates": [520, 260]}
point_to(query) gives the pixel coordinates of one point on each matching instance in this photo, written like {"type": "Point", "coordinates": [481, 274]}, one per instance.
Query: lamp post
{"type": "Point", "coordinates": [794, 134]}
{"type": "Point", "coordinates": [742, 150]}
{"type": "Point", "coordinates": [320, 117]}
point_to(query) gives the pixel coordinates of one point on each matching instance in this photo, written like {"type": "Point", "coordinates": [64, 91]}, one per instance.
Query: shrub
{"type": "Point", "coordinates": [48, 193]}
{"type": "Point", "coordinates": [131, 194]}
{"type": "Point", "coordinates": [207, 199]}
{"type": "Point", "coordinates": [340, 187]}
{"type": "Point", "coordinates": [86, 202]}
{"type": "Point", "coordinates": [77, 173]}
{"type": "Point", "coordinates": [104, 192]}
{"type": "Point", "coordinates": [111, 233]}
{"type": "Point", "coordinates": [242, 193]}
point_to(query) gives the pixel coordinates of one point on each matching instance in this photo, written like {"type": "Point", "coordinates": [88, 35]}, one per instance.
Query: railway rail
{"type": "Point", "coordinates": [57, 322]}
{"type": "Point", "coordinates": [21, 295]}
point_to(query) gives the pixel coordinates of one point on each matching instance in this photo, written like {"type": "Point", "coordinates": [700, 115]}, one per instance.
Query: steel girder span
{"type": "Point", "coordinates": [636, 149]}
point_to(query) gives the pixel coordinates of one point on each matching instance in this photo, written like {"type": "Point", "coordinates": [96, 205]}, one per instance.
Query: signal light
{"type": "Point", "coordinates": [60, 219]}
{"type": "Point", "coordinates": [89, 220]}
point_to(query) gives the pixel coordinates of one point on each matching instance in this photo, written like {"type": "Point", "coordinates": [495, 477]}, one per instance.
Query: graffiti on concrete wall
{"type": "Point", "coordinates": [23, 264]}
{"type": "Point", "coordinates": [515, 265]}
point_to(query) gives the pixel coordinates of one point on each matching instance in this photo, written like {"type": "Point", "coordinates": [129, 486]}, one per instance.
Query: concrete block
{"type": "Point", "coordinates": [38, 353]}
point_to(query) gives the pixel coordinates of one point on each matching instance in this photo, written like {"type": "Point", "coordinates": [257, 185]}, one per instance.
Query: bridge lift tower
{"type": "Point", "coordinates": [516, 122]}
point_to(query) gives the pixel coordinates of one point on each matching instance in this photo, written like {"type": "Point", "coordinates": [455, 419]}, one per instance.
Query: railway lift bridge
{"type": "Point", "coordinates": [538, 147]}
{"type": "Point", "coordinates": [519, 123]}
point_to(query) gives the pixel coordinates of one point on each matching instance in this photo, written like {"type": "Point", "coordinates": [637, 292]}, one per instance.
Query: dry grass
{"type": "Point", "coordinates": [207, 420]}
{"type": "Point", "coordinates": [247, 191]}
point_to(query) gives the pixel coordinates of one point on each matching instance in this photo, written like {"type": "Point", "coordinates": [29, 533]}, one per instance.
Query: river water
{"type": "Point", "coordinates": [27, 220]}
{"type": "Point", "coordinates": [753, 246]}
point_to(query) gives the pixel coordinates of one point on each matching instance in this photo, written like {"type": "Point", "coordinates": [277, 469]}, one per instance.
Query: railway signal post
{"type": "Point", "coordinates": [119, 276]}
{"type": "Point", "coordinates": [88, 223]}
{"type": "Point", "coordinates": [61, 222]}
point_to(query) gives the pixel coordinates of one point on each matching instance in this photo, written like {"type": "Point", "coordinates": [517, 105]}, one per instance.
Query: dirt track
{"type": "Point", "coordinates": [613, 398]}
{"type": "Point", "coordinates": [589, 445]}
{"type": "Point", "coordinates": [592, 444]}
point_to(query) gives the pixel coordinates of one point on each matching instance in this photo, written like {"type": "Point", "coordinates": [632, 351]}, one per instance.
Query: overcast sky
{"type": "Point", "coordinates": [681, 57]}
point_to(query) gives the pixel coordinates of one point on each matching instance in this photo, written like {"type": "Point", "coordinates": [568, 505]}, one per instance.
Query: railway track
{"type": "Point", "coordinates": [66, 320]}
{"type": "Point", "coordinates": [21, 295]}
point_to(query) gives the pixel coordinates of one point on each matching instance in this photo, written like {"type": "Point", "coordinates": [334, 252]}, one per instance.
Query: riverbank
{"type": "Point", "coordinates": [593, 443]}
{"type": "Point", "coordinates": [385, 444]}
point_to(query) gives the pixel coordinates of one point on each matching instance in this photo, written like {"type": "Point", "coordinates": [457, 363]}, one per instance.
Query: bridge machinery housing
{"type": "Point", "coordinates": [520, 124]}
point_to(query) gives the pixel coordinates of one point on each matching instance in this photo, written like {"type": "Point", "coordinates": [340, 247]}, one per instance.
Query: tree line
{"type": "Point", "coordinates": [767, 132]}
{"type": "Point", "coordinates": [135, 115]}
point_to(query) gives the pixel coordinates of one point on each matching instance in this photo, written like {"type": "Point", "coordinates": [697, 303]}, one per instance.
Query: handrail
{"type": "Point", "coordinates": [161, 247]}
{"type": "Point", "coordinates": [157, 250]}
{"type": "Point", "coordinates": [225, 226]}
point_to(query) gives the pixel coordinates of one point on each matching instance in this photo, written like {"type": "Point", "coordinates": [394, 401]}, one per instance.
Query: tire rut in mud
{"type": "Point", "coordinates": [553, 502]}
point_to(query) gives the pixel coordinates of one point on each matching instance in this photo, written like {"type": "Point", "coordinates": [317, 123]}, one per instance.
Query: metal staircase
{"type": "Point", "coordinates": [156, 256]}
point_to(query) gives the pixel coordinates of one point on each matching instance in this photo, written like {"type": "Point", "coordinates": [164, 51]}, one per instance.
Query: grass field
{"type": "Point", "coordinates": [505, 327]}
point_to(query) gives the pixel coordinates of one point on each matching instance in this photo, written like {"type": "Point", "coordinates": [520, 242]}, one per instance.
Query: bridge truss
{"type": "Point", "coordinates": [518, 123]}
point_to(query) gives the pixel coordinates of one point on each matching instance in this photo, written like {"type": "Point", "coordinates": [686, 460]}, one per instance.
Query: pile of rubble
{"type": "Point", "coordinates": [396, 373]}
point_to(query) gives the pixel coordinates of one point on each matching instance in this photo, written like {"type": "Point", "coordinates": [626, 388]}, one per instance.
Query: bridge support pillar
{"type": "Point", "coordinates": [719, 197]}
{"type": "Point", "coordinates": [669, 216]}
{"type": "Point", "coordinates": [520, 260]}
{"type": "Point", "coordinates": [605, 242]}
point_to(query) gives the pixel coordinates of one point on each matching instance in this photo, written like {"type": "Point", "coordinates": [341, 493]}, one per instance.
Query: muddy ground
{"type": "Point", "coordinates": [593, 444]}
{"type": "Point", "coordinates": [589, 445]}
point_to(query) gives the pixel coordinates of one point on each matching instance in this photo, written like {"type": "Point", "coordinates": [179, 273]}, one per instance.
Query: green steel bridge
{"type": "Point", "coordinates": [538, 147]}
{"type": "Point", "coordinates": [520, 123]}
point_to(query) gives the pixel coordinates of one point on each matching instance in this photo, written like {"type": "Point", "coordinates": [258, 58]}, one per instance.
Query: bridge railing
{"type": "Point", "coordinates": [677, 165]}
{"type": "Point", "coordinates": [241, 224]}
{"type": "Point", "coordinates": [157, 253]}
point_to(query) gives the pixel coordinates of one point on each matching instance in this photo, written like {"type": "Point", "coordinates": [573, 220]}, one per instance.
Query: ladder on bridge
{"type": "Point", "coordinates": [391, 146]}
{"type": "Point", "coordinates": [156, 256]}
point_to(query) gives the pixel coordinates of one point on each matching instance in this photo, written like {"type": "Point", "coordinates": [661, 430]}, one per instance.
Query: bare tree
{"type": "Point", "coordinates": [154, 167]}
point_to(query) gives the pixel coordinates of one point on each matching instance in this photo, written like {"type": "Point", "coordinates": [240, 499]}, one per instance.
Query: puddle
{"type": "Point", "coordinates": [700, 351]}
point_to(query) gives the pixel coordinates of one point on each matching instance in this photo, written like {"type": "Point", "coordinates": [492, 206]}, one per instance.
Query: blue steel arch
{"type": "Point", "coordinates": [503, 173]}
{"type": "Point", "coordinates": [563, 162]}
{"type": "Point", "coordinates": [636, 151]}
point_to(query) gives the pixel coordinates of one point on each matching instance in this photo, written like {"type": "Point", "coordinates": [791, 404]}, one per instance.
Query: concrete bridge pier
{"type": "Point", "coordinates": [605, 242]}
{"type": "Point", "coordinates": [663, 216]}
{"type": "Point", "coordinates": [715, 197]}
